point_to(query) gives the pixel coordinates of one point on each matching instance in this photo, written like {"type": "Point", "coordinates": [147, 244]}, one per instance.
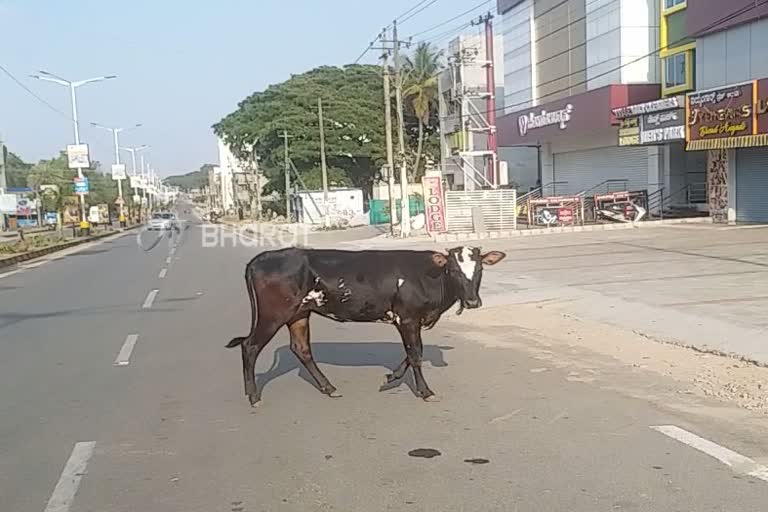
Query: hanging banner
{"type": "Point", "coordinates": [77, 156]}
{"type": "Point", "coordinates": [118, 171]}
{"type": "Point", "coordinates": [434, 203]}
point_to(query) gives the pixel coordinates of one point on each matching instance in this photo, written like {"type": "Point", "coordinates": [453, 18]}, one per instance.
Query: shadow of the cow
{"type": "Point", "coordinates": [381, 353]}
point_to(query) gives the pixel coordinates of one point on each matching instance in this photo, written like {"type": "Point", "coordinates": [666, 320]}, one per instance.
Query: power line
{"type": "Point", "coordinates": [431, 2]}
{"type": "Point", "coordinates": [724, 19]}
{"type": "Point", "coordinates": [406, 13]}
{"type": "Point", "coordinates": [430, 29]}
{"type": "Point", "coordinates": [33, 93]}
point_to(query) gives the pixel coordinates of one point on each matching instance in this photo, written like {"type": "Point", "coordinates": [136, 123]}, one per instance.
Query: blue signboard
{"type": "Point", "coordinates": [81, 185]}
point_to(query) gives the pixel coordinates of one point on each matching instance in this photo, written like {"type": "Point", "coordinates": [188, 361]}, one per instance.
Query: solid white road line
{"type": "Point", "coordinates": [150, 299]}
{"type": "Point", "coordinates": [124, 356]}
{"type": "Point", "coordinates": [74, 470]}
{"type": "Point", "coordinates": [36, 264]}
{"type": "Point", "coordinates": [162, 273]}
{"type": "Point", "coordinates": [738, 462]}
{"type": "Point", "coordinates": [9, 273]}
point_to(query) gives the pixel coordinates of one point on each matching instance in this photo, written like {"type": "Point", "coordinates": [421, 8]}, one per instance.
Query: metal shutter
{"type": "Point", "coordinates": [586, 169]}
{"type": "Point", "coordinates": [752, 185]}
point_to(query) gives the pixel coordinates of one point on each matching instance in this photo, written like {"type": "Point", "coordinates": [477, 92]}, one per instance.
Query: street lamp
{"type": "Point", "coordinates": [50, 77]}
{"type": "Point", "coordinates": [115, 133]}
{"type": "Point", "coordinates": [133, 150]}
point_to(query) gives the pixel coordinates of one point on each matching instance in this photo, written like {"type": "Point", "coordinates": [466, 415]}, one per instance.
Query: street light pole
{"type": "Point", "coordinates": [50, 77]}
{"type": "Point", "coordinates": [133, 151]}
{"type": "Point", "coordinates": [115, 138]}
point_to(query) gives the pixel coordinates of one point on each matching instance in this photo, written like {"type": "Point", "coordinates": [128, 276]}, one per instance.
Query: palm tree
{"type": "Point", "coordinates": [421, 70]}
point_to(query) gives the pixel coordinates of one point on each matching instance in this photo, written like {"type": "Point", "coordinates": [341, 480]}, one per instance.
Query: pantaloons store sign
{"type": "Point", "coordinates": [735, 116]}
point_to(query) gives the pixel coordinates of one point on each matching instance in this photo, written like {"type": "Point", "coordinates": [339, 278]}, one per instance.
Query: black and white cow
{"type": "Point", "coordinates": [410, 289]}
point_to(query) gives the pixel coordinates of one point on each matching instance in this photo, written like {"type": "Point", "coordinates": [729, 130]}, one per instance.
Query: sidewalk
{"type": "Point", "coordinates": [700, 286]}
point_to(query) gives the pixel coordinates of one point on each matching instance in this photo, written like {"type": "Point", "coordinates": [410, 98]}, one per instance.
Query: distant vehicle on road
{"type": "Point", "coordinates": [163, 221]}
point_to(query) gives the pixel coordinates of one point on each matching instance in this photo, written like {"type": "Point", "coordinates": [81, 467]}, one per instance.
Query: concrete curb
{"type": "Point", "coordinates": [30, 255]}
{"type": "Point", "coordinates": [493, 235]}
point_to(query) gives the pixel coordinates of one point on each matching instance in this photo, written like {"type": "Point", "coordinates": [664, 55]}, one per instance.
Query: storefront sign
{"type": "Point", "coordinates": [531, 120]}
{"type": "Point", "coordinates": [662, 127]}
{"type": "Point", "coordinates": [434, 203]}
{"type": "Point", "coordinates": [647, 108]}
{"type": "Point", "coordinates": [554, 211]}
{"type": "Point", "coordinates": [735, 116]}
{"type": "Point", "coordinates": [629, 131]}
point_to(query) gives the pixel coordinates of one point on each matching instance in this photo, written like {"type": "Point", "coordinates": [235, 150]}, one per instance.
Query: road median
{"type": "Point", "coordinates": [44, 251]}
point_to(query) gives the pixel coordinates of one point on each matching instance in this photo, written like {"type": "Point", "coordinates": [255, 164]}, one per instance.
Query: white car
{"type": "Point", "coordinates": [164, 221]}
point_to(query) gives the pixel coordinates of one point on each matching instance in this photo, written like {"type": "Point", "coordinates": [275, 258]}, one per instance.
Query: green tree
{"type": "Point", "coordinates": [353, 114]}
{"type": "Point", "coordinates": [16, 170]}
{"type": "Point", "coordinates": [421, 70]}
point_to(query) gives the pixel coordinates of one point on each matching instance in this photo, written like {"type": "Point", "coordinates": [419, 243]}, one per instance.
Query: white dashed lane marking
{"type": "Point", "coordinates": [124, 356]}
{"type": "Point", "coordinates": [162, 273]}
{"type": "Point", "coordinates": [739, 463]}
{"type": "Point", "coordinates": [74, 470]}
{"type": "Point", "coordinates": [150, 299]}
{"type": "Point", "coordinates": [168, 259]}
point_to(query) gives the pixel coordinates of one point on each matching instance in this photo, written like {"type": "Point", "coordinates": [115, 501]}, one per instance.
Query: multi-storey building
{"type": "Point", "coordinates": [463, 98]}
{"type": "Point", "coordinates": [568, 65]}
{"type": "Point", "coordinates": [727, 121]}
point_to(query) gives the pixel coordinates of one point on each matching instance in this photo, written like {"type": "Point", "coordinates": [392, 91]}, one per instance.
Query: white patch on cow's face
{"type": "Point", "coordinates": [468, 265]}
{"type": "Point", "coordinates": [400, 282]}
{"type": "Point", "coordinates": [315, 295]}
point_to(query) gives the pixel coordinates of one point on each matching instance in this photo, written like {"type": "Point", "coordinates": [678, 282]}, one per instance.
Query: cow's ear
{"type": "Point", "coordinates": [492, 257]}
{"type": "Point", "coordinates": [439, 259]}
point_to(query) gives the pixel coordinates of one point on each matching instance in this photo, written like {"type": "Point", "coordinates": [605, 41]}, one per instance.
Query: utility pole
{"type": "Point", "coordinates": [490, 80]}
{"type": "Point", "coordinates": [255, 196]}
{"type": "Point", "coordinates": [323, 167]}
{"type": "Point", "coordinates": [388, 135]}
{"type": "Point", "coordinates": [405, 215]}
{"type": "Point", "coordinates": [3, 183]}
{"type": "Point", "coordinates": [285, 137]}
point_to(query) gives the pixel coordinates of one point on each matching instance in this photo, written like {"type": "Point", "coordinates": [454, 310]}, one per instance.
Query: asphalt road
{"type": "Point", "coordinates": [171, 430]}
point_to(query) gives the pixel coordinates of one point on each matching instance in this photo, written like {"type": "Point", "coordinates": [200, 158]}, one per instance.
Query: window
{"type": "Point", "coordinates": [675, 70]}
{"type": "Point", "coordinates": [669, 4]}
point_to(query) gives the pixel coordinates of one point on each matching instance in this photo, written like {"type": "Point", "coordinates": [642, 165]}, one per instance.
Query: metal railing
{"type": "Point", "coordinates": [587, 208]}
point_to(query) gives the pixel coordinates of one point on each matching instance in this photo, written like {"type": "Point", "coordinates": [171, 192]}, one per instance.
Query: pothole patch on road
{"type": "Point", "coordinates": [424, 453]}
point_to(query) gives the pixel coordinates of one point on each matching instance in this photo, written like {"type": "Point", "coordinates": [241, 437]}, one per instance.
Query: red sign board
{"type": "Point", "coordinates": [434, 203]}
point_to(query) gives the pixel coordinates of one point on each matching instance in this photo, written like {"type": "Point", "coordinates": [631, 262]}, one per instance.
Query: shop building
{"type": "Point", "coordinates": [727, 121]}
{"type": "Point", "coordinates": [568, 65]}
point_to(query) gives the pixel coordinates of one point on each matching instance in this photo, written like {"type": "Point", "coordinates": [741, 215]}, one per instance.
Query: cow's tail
{"type": "Point", "coordinates": [251, 286]}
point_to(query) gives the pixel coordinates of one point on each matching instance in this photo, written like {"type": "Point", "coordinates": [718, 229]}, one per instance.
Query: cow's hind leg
{"type": "Point", "coordinates": [300, 345]}
{"type": "Point", "coordinates": [410, 331]}
{"type": "Point", "coordinates": [398, 373]}
{"type": "Point", "coordinates": [263, 333]}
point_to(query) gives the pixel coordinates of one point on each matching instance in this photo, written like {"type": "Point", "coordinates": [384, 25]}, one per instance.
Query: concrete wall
{"type": "Point", "coordinates": [733, 55]}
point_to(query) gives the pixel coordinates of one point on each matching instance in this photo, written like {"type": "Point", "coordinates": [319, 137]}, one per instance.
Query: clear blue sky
{"type": "Point", "coordinates": [181, 65]}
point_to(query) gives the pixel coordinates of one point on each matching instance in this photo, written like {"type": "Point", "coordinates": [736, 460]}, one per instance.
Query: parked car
{"type": "Point", "coordinates": [162, 221]}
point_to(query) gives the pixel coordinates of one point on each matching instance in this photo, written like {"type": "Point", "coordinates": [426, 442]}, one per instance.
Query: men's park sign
{"type": "Point", "coordinates": [735, 116]}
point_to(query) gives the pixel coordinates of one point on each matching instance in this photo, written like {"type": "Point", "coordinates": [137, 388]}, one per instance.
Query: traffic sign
{"type": "Point", "coordinates": [82, 186]}
{"type": "Point", "coordinates": [119, 201]}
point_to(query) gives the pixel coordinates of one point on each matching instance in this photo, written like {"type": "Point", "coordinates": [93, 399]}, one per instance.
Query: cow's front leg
{"type": "Point", "coordinates": [410, 331]}
{"type": "Point", "coordinates": [300, 346]}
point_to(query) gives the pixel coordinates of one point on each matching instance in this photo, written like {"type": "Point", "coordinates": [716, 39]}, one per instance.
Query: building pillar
{"type": "Point", "coordinates": [718, 185]}
{"type": "Point", "coordinates": [548, 168]}
{"type": "Point", "coordinates": [731, 216]}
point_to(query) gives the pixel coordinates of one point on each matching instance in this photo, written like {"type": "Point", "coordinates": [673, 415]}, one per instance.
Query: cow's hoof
{"type": "Point", "coordinates": [388, 379]}
{"type": "Point", "coordinates": [334, 394]}
{"type": "Point", "coordinates": [254, 400]}
{"type": "Point", "coordinates": [431, 397]}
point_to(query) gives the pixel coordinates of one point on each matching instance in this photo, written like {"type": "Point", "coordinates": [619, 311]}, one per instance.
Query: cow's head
{"type": "Point", "coordinates": [464, 266]}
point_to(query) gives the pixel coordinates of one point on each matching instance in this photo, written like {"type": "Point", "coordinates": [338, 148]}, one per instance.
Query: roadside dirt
{"type": "Point", "coordinates": [593, 351]}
